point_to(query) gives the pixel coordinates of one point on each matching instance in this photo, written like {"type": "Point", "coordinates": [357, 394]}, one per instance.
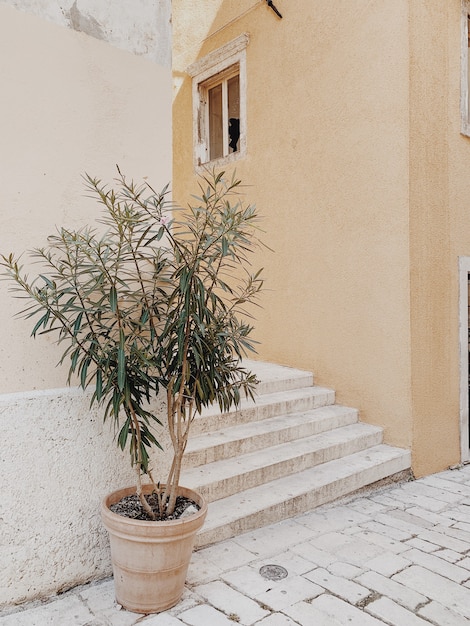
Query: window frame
{"type": "Point", "coordinates": [465, 69]}
{"type": "Point", "coordinates": [205, 74]}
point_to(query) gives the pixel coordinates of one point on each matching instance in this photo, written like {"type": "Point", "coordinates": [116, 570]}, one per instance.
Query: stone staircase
{"type": "Point", "coordinates": [290, 451]}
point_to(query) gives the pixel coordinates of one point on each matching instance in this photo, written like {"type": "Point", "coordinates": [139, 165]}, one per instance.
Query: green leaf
{"type": "Point", "coordinates": [78, 323]}
{"type": "Point", "coordinates": [83, 373]}
{"type": "Point", "coordinates": [74, 359]}
{"type": "Point", "coordinates": [121, 361]}
{"type": "Point", "coordinates": [123, 434]}
{"type": "Point", "coordinates": [99, 384]}
{"type": "Point", "coordinates": [113, 298]}
{"type": "Point", "coordinates": [224, 246]}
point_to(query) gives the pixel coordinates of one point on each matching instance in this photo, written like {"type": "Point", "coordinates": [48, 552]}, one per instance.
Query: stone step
{"type": "Point", "coordinates": [244, 438]}
{"type": "Point", "coordinates": [265, 407]}
{"type": "Point", "coordinates": [274, 378]}
{"type": "Point", "coordinates": [300, 492]}
{"type": "Point", "coordinates": [229, 476]}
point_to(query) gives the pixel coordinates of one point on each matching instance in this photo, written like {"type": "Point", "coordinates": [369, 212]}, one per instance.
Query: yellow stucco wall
{"type": "Point", "coordinates": [70, 104]}
{"type": "Point", "coordinates": [356, 161]}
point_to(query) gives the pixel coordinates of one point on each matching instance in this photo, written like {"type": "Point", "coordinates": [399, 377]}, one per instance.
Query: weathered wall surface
{"type": "Point", "coordinates": [70, 103]}
{"type": "Point", "coordinates": [327, 165]}
{"type": "Point", "coordinates": [142, 27]}
{"type": "Point", "coordinates": [355, 157]}
{"type": "Point", "coordinates": [57, 462]}
{"type": "Point", "coordinates": [435, 141]}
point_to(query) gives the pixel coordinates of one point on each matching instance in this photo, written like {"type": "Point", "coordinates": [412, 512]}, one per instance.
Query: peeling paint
{"type": "Point", "coordinates": [84, 23]}
{"type": "Point", "coordinates": [142, 27]}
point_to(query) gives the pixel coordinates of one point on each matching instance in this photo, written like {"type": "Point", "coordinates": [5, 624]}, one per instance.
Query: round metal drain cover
{"type": "Point", "coordinates": [273, 572]}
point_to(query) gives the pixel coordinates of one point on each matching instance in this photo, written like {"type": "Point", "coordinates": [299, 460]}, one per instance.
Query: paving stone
{"type": "Point", "coordinates": [100, 599]}
{"type": "Point", "coordinates": [420, 544]}
{"type": "Point", "coordinates": [442, 615]}
{"type": "Point", "coordinates": [453, 531]}
{"type": "Point", "coordinates": [275, 594]}
{"type": "Point", "coordinates": [461, 474]}
{"type": "Point", "coordinates": [367, 507]}
{"type": "Point", "coordinates": [449, 555]}
{"type": "Point", "coordinates": [202, 569]}
{"type": "Point", "coordinates": [403, 522]}
{"type": "Point", "coordinates": [352, 549]}
{"type": "Point", "coordinates": [208, 563]}
{"type": "Point", "coordinates": [352, 530]}
{"type": "Point", "coordinates": [407, 520]}
{"type": "Point", "coordinates": [392, 588]}
{"type": "Point", "coordinates": [288, 591]}
{"type": "Point", "coordinates": [429, 516]}
{"type": "Point", "coordinates": [393, 613]}
{"type": "Point", "coordinates": [247, 580]}
{"type": "Point", "coordinates": [291, 561]}
{"type": "Point", "coordinates": [345, 570]}
{"type": "Point", "coordinates": [326, 610]}
{"type": "Point", "coordinates": [320, 558]}
{"type": "Point", "coordinates": [204, 614]}
{"type": "Point", "coordinates": [187, 601]}
{"type": "Point", "coordinates": [275, 538]}
{"type": "Point", "coordinates": [448, 485]}
{"type": "Point", "coordinates": [228, 600]}
{"type": "Point", "coordinates": [333, 519]}
{"type": "Point", "coordinates": [307, 613]}
{"type": "Point", "coordinates": [225, 555]}
{"type": "Point", "coordinates": [277, 619]}
{"type": "Point", "coordinates": [465, 563]}
{"type": "Point", "coordinates": [381, 540]}
{"type": "Point", "coordinates": [445, 540]}
{"type": "Point", "coordinates": [421, 488]}
{"type": "Point", "coordinates": [438, 565]}
{"type": "Point", "coordinates": [161, 619]}
{"type": "Point", "coordinates": [389, 531]}
{"type": "Point", "coordinates": [462, 526]}
{"type": "Point", "coordinates": [69, 610]}
{"type": "Point", "coordinates": [436, 588]}
{"type": "Point", "coordinates": [387, 564]}
{"type": "Point", "coordinates": [416, 499]}
{"type": "Point", "coordinates": [459, 513]}
{"type": "Point", "coordinates": [342, 587]}
{"type": "Point", "coordinates": [386, 500]}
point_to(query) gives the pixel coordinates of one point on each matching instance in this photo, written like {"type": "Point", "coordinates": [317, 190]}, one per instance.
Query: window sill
{"type": "Point", "coordinates": [221, 162]}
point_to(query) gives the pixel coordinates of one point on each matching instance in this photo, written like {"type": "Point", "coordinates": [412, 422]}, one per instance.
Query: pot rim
{"type": "Point", "coordinates": [115, 496]}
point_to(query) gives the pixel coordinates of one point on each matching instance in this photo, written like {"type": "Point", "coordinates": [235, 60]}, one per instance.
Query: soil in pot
{"type": "Point", "coordinates": [130, 506]}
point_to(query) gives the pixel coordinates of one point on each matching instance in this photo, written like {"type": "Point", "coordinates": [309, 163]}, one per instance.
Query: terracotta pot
{"type": "Point", "coordinates": [150, 559]}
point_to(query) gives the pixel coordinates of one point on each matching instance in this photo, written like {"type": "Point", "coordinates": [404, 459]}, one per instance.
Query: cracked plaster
{"type": "Point", "coordinates": [142, 27]}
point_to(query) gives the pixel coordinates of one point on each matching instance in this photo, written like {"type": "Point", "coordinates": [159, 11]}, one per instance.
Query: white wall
{"type": "Point", "coordinates": [139, 26]}
{"type": "Point", "coordinates": [70, 103]}
{"type": "Point", "coordinates": [57, 462]}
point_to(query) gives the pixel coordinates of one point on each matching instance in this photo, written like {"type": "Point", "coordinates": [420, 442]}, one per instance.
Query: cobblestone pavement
{"type": "Point", "coordinates": [398, 556]}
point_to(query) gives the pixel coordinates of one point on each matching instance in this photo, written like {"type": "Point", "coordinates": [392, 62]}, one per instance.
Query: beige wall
{"type": "Point", "coordinates": [356, 160]}
{"type": "Point", "coordinates": [70, 104]}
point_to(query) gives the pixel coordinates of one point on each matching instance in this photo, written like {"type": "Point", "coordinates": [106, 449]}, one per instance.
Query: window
{"type": "Point", "coordinates": [221, 101]}
{"type": "Point", "coordinates": [219, 104]}
{"type": "Point", "coordinates": [465, 79]}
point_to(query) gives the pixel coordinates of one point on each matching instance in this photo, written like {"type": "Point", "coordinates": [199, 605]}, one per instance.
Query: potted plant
{"type": "Point", "coordinates": [152, 298]}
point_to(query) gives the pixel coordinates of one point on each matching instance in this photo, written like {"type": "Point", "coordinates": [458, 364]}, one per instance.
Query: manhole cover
{"type": "Point", "coordinates": [273, 572]}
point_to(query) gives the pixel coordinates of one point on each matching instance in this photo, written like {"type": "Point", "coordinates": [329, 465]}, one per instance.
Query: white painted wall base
{"type": "Point", "coordinates": [57, 463]}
